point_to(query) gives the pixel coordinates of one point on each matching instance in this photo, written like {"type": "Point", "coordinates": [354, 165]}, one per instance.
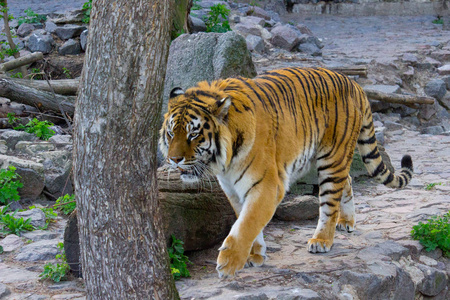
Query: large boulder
{"type": "Point", "coordinates": [39, 42]}
{"type": "Point", "coordinates": [206, 56]}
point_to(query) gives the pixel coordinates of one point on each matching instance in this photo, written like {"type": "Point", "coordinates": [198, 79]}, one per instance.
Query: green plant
{"type": "Point", "coordinates": [12, 118]}
{"type": "Point", "coordinates": [430, 186]}
{"type": "Point", "coordinates": [178, 260]}
{"type": "Point", "coordinates": [15, 225]}
{"type": "Point", "coordinates": [31, 17]}
{"type": "Point", "coordinates": [195, 5]}
{"type": "Point", "coordinates": [438, 20]}
{"type": "Point", "coordinates": [1, 249]}
{"type": "Point", "coordinates": [67, 72]}
{"type": "Point", "coordinates": [435, 233]}
{"type": "Point", "coordinates": [17, 75]}
{"type": "Point", "coordinates": [39, 128]}
{"type": "Point", "coordinates": [57, 272]}
{"type": "Point", "coordinates": [36, 73]}
{"type": "Point", "coordinates": [87, 6]}
{"type": "Point", "coordinates": [9, 183]}
{"type": "Point", "coordinates": [66, 204]}
{"type": "Point", "coordinates": [214, 21]}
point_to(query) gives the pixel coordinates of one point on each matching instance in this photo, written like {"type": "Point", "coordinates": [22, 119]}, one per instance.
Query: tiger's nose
{"type": "Point", "coordinates": [176, 159]}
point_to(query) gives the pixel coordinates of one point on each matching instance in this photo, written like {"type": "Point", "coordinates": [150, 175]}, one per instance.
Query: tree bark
{"type": "Point", "coordinates": [44, 101]}
{"type": "Point", "coordinates": [123, 252]}
{"type": "Point", "coordinates": [397, 98]}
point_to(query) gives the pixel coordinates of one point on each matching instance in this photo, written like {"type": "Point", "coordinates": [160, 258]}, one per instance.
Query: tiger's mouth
{"type": "Point", "coordinates": [190, 175]}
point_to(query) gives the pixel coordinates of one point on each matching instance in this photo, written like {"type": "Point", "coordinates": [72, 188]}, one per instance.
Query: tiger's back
{"type": "Point", "coordinates": [262, 134]}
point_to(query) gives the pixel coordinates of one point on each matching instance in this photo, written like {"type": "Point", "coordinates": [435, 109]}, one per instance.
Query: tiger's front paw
{"type": "Point", "coordinates": [256, 260]}
{"type": "Point", "coordinates": [319, 245]}
{"type": "Point", "coordinates": [232, 257]}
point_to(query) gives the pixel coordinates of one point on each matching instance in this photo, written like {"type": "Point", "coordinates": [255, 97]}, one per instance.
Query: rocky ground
{"type": "Point", "coordinates": [377, 261]}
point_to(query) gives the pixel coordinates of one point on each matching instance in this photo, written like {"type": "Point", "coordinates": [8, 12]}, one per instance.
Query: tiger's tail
{"type": "Point", "coordinates": [367, 145]}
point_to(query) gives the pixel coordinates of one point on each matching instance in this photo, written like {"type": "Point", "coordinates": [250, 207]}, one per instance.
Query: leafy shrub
{"type": "Point", "coordinates": [214, 21]}
{"type": "Point", "coordinates": [31, 17]}
{"type": "Point", "coordinates": [56, 272]}
{"type": "Point", "coordinates": [178, 260]}
{"type": "Point", "coordinates": [39, 128]}
{"type": "Point", "coordinates": [9, 183]}
{"type": "Point", "coordinates": [50, 215]}
{"type": "Point", "coordinates": [65, 207]}
{"type": "Point", "coordinates": [435, 233]}
{"type": "Point", "coordinates": [14, 225]}
{"type": "Point", "coordinates": [87, 6]}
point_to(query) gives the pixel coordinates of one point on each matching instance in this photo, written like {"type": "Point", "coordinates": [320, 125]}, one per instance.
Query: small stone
{"type": "Point", "coordinates": [50, 27]}
{"type": "Point", "coordinates": [197, 24]}
{"type": "Point", "coordinates": [435, 88]}
{"type": "Point", "coordinates": [391, 126]}
{"type": "Point", "coordinates": [434, 282]}
{"type": "Point", "coordinates": [71, 47]}
{"type": "Point", "coordinates": [428, 261]}
{"type": "Point", "coordinates": [10, 243]}
{"type": "Point", "coordinates": [253, 21]}
{"type": "Point", "coordinates": [259, 296]}
{"type": "Point", "coordinates": [39, 235]}
{"type": "Point", "coordinates": [40, 43]}
{"type": "Point", "coordinates": [41, 250]}
{"type": "Point", "coordinates": [255, 43]}
{"type": "Point", "coordinates": [247, 28]}
{"type": "Point", "coordinates": [409, 58]}
{"type": "Point", "coordinates": [12, 137]}
{"type": "Point", "coordinates": [444, 70]}
{"type": "Point", "coordinates": [409, 71]}
{"type": "Point", "coordinates": [285, 37]}
{"type": "Point", "coordinates": [304, 30]}
{"type": "Point", "coordinates": [25, 29]}
{"type": "Point", "coordinates": [298, 293]}
{"type": "Point", "coordinates": [61, 140]}
{"type": "Point", "coordinates": [36, 215]}
{"type": "Point", "coordinates": [310, 48]}
{"type": "Point", "coordinates": [16, 275]}
{"type": "Point", "coordinates": [433, 130]}
{"type": "Point", "coordinates": [447, 82]}
{"type": "Point", "coordinates": [63, 285]}
{"type": "Point", "coordinates": [83, 39]}
{"type": "Point", "coordinates": [33, 148]}
{"type": "Point", "coordinates": [258, 12]}
{"type": "Point", "coordinates": [4, 291]}
{"type": "Point", "coordinates": [272, 247]}
{"type": "Point", "coordinates": [69, 31]}
{"type": "Point", "coordinates": [3, 147]}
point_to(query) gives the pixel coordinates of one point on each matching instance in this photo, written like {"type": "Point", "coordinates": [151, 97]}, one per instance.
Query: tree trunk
{"type": "Point", "coordinates": [123, 251]}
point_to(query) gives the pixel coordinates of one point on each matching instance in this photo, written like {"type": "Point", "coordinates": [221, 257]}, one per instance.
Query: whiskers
{"type": "Point", "coordinates": [205, 175]}
{"type": "Point", "coordinates": [197, 175]}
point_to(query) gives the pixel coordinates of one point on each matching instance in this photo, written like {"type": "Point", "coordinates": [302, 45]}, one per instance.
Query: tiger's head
{"type": "Point", "coordinates": [192, 137]}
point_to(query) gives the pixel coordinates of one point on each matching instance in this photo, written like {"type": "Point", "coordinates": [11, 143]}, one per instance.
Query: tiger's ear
{"type": "Point", "coordinates": [175, 92]}
{"type": "Point", "coordinates": [220, 108]}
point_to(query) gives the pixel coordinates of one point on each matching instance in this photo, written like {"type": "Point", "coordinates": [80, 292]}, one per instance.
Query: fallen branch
{"type": "Point", "coordinates": [67, 87]}
{"type": "Point", "coordinates": [352, 70]}
{"type": "Point", "coordinates": [397, 98]}
{"type": "Point", "coordinates": [41, 99]}
{"type": "Point", "coordinates": [21, 61]}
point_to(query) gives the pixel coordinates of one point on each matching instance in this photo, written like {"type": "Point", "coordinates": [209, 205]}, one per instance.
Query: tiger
{"type": "Point", "coordinates": [258, 136]}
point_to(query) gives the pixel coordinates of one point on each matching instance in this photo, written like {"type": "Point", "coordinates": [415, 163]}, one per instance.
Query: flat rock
{"type": "Point", "coordinates": [39, 235]}
{"type": "Point", "coordinates": [258, 12]}
{"type": "Point", "coordinates": [16, 275]}
{"type": "Point", "coordinates": [70, 47]}
{"type": "Point", "coordinates": [38, 251]}
{"type": "Point", "coordinates": [389, 248]}
{"type": "Point", "coordinates": [10, 243]}
{"type": "Point", "coordinates": [33, 148]}
{"type": "Point", "coordinates": [12, 137]}
{"type": "Point", "coordinates": [298, 208]}
{"type": "Point", "coordinates": [444, 70]}
{"type": "Point", "coordinates": [4, 291]}
{"type": "Point", "coordinates": [69, 31]}
{"type": "Point", "coordinates": [36, 215]}
{"type": "Point", "coordinates": [25, 29]}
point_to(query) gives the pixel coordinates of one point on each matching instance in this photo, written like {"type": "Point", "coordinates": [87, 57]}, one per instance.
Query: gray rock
{"type": "Point", "coordinates": [253, 21]}
{"type": "Point", "coordinates": [39, 235]}
{"type": "Point", "coordinates": [428, 64]}
{"type": "Point", "coordinates": [433, 130]}
{"type": "Point", "coordinates": [197, 24]}
{"type": "Point", "coordinates": [303, 294]}
{"type": "Point", "coordinates": [436, 88]}
{"type": "Point", "coordinates": [447, 82]}
{"type": "Point", "coordinates": [428, 111]}
{"type": "Point", "coordinates": [304, 30]}
{"type": "Point", "coordinates": [33, 148]}
{"type": "Point", "coordinates": [69, 31]}
{"type": "Point", "coordinates": [392, 125]}
{"type": "Point", "coordinates": [389, 248]}
{"type": "Point", "coordinates": [444, 70]}
{"type": "Point", "coordinates": [32, 174]}
{"type": "Point", "coordinates": [40, 43]}
{"type": "Point", "coordinates": [298, 208]}
{"type": "Point", "coordinates": [258, 296]}
{"type": "Point", "coordinates": [4, 291]}
{"type": "Point", "coordinates": [25, 29]}
{"type": "Point", "coordinates": [12, 137]}
{"type": "Point", "coordinates": [41, 250]}
{"type": "Point", "coordinates": [83, 39]}
{"type": "Point", "coordinates": [10, 243]}
{"type": "Point", "coordinates": [247, 28]}
{"type": "Point", "coordinates": [434, 282]}
{"type": "Point", "coordinates": [61, 140]}
{"type": "Point", "coordinates": [258, 12]}
{"type": "Point", "coordinates": [409, 58]}
{"type": "Point", "coordinates": [255, 43]}
{"type": "Point", "coordinates": [70, 47]}
{"type": "Point", "coordinates": [36, 215]}
{"type": "Point", "coordinates": [384, 88]}
{"type": "Point", "coordinates": [285, 37]}
{"type": "Point", "coordinates": [17, 275]}
{"type": "Point", "coordinates": [57, 167]}
{"type": "Point", "coordinates": [206, 56]}
{"type": "Point", "coordinates": [310, 48]}
{"type": "Point", "coordinates": [50, 27]}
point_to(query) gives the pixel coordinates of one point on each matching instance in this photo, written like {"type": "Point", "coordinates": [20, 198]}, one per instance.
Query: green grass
{"type": "Point", "coordinates": [434, 234]}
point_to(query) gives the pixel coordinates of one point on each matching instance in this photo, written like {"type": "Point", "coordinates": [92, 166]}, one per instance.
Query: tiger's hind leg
{"type": "Point", "coordinates": [258, 253]}
{"type": "Point", "coordinates": [346, 219]}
